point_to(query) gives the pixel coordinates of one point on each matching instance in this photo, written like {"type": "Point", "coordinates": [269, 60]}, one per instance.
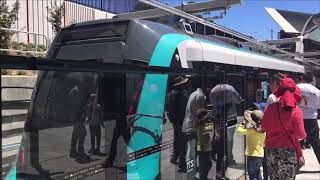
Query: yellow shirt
{"type": "Point", "coordinates": [203, 141]}
{"type": "Point", "coordinates": [255, 141]}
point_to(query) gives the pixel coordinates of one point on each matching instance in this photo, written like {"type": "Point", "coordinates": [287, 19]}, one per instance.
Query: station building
{"type": "Point", "coordinates": [33, 15]}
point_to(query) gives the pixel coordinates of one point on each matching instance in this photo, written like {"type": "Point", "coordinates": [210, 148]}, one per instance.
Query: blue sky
{"type": "Point", "coordinates": [252, 19]}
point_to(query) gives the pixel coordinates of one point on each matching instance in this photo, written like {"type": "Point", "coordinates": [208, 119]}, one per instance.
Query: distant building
{"type": "Point", "coordinates": [33, 15]}
{"type": "Point", "coordinates": [113, 6]}
{"type": "Point", "coordinates": [299, 34]}
{"type": "Point", "coordinates": [296, 25]}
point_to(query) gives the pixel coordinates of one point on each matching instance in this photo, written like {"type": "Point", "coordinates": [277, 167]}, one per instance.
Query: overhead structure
{"type": "Point", "coordinates": [232, 33]}
{"type": "Point", "coordinates": [189, 8]}
{"type": "Point", "coordinates": [300, 34]}
{"type": "Point", "coordinates": [289, 21]}
{"type": "Point", "coordinates": [282, 41]}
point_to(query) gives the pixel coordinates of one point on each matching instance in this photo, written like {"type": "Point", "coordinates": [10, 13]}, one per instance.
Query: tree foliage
{"type": "Point", "coordinates": [56, 13]}
{"type": "Point", "coordinates": [8, 17]}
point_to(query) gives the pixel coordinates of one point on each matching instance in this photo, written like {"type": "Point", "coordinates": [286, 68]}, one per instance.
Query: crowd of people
{"type": "Point", "coordinates": [275, 133]}
{"type": "Point", "coordinates": [204, 123]}
{"type": "Point", "coordinates": [194, 118]}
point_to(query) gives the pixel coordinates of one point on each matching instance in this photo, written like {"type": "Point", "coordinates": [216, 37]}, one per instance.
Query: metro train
{"type": "Point", "coordinates": [47, 133]}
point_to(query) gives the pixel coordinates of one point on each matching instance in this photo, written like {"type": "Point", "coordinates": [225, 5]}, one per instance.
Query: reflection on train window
{"type": "Point", "coordinates": [116, 124]}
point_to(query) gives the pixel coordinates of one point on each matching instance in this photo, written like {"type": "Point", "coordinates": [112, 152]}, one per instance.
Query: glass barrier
{"type": "Point", "coordinates": [97, 125]}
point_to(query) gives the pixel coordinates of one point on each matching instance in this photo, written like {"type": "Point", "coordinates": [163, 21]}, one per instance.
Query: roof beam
{"type": "Point", "coordinates": [281, 21]}
{"type": "Point", "coordinates": [190, 8]}
{"type": "Point", "coordinates": [305, 54]}
{"type": "Point", "coordinates": [282, 41]}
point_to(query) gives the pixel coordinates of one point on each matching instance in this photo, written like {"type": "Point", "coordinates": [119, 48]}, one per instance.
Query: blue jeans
{"type": "Point", "coordinates": [253, 166]}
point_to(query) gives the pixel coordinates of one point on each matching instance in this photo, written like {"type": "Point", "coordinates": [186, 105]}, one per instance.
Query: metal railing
{"type": "Point", "coordinates": [35, 35]}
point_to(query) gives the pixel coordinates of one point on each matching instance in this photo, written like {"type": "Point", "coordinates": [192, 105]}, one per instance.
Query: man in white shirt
{"type": "Point", "coordinates": [309, 105]}
{"type": "Point", "coordinates": [196, 101]}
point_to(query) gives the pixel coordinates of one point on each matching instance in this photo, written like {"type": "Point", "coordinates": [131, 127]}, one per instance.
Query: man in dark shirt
{"type": "Point", "coordinates": [77, 99]}
{"type": "Point", "coordinates": [177, 102]}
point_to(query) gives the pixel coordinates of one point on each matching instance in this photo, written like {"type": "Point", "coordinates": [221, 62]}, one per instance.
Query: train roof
{"type": "Point", "coordinates": [121, 40]}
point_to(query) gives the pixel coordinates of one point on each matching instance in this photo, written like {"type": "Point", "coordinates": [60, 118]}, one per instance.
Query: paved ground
{"type": "Point", "coordinates": [55, 144]}
{"type": "Point", "coordinates": [311, 170]}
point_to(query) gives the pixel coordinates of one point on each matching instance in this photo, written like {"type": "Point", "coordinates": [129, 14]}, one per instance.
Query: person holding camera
{"type": "Point", "coordinates": [255, 142]}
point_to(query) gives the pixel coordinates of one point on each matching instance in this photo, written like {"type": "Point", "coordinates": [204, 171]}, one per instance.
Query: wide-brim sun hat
{"type": "Point", "coordinates": [179, 81]}
{"type": "Point", "coordinates": [203, 115]}
{"type": "Point", "coordinates": [257, 113]}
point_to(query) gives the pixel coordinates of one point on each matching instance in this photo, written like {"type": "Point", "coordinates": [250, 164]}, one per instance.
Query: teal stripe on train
{"type": "Point", "coordinates": [12, 175]}
{"type": "Point", "coordinates": [152, 102]}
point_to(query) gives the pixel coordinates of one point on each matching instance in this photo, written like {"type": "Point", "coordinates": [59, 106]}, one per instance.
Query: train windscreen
{"type": "Point", "coordinates": [106, 125]}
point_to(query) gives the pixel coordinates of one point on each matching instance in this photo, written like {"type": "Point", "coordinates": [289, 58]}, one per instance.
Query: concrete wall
{"type": "Point", "coordinates": [14, 110]}
{"type": "Point", "coordinates": [18, 81]}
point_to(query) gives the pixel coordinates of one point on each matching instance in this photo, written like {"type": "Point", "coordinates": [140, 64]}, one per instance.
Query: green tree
{"type": "Point", "coordinates": [8, 18]}
{"type": "Point", "coordinates": [56, 13]}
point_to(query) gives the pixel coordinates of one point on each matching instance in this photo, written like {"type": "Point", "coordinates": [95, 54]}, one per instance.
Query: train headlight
{"type": "Point", "coordinates": [177, 57]}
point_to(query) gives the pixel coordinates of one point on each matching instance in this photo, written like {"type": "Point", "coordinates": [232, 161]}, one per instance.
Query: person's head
{"type": "Point", "coordinates": [203, 115]}
{"type": "Point", "coordinates": [288, 93]}
{"type": "Point", "coordinates": [275, 81]}
{"type": "Point", "coordinates": [254, 117]}
{"type": "Point", "coordinates": [257, 116]}
{"type": "Point", "coordinates": [308, 77]}
{"type": "Point", "coordinates": [297, 80]}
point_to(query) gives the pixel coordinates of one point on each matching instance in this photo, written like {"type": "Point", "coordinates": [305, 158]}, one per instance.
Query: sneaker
{"type": "Point", "coordinates": [90, 151]}
{"type": "Point", "coordinates": [230, 163]}
{"type": "Point", "coordinates": [213, 157]}
{"type": "Point", "coordinates": [107, 164]}
{"type": "Point", "coordinates": [73, 154]}
{"type": "Point", "coordinates": [83, 158]}
{"type": "Point", "coordinates": [98, 153]}
{"type": "Point", "coordinates": [220, 177]}
{"type": "Point", "coordinates": [182, 170]}
{"type": "Point", "coordinates": [173, 160]}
